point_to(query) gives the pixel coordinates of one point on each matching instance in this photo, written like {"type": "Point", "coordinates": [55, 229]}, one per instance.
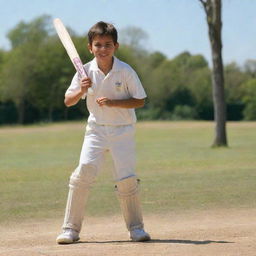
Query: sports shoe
{"type": "Point", "coordinates": [68, 236]}
{"type": "Point", "coordinates": [139, 235]}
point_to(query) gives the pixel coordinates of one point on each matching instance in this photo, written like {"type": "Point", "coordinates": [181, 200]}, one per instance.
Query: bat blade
{"type": "Point", "coordinates": [70, 48]}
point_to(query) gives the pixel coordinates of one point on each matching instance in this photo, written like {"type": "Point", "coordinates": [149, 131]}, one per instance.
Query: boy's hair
{"type": "Point", "coordinates": [102, 28]}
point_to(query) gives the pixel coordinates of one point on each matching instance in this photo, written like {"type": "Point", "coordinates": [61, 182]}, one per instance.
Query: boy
{"type": "Point", "coordinates": [117, 91]}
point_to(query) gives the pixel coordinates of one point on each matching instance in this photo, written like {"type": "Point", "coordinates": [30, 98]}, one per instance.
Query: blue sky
{"type": "Point", "coordinates": [173, 26]}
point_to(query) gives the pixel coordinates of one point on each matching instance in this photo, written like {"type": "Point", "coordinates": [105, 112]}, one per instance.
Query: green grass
{"type": "Point", "coordinates": [177, 167]}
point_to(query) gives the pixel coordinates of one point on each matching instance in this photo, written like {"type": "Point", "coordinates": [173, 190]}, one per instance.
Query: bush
{"type": "Point", "coordinates": [8, 113]}
{"type": "Point", "coordinates": [249, 99]}
{"type": "Point", "coordinates": [235, 111]}
{"type": "Point", "coordinates": [183, 112]}
{"type": "Point", "coordinates": [148, 113]}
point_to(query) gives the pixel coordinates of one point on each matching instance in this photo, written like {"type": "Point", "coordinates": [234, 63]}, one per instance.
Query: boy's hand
{"type": "Point", "coordinates": [85, 83]}
{"type": "Point", "coordinates": [103, 101]}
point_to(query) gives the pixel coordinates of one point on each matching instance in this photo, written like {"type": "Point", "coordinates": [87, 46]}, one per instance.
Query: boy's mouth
{"type": "Point", "coordinates": [103, 55]}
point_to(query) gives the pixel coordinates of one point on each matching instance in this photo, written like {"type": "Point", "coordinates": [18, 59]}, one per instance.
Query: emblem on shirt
{"type": "Point", "coordinates": [118, 85]}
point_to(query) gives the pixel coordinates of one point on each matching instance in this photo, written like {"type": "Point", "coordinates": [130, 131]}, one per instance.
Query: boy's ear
{"type": "Point", "coordinates": [89, 47]}
{"type": "Point", "coordinates": [116, 46]}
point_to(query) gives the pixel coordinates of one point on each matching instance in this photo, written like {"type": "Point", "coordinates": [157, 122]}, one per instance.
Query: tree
{"type": "Point", "coordinates": [155, 59]}
{"type": "Point", "coordinates": [16, 77]}
{"type": "Point", "coordinates": [250, 68]}
{"type": "Point", "coordinates": [35, 31]}
{"type": "Point", "coordinates": [18, 71]}
{"type": "Point", "coordinates": [199, 83]}
{"type": "Point", "coordinates": [134, 37]}
{"type": "Point", "coordinates": [213, 15]}
{"type": "Point", "coordinates": [52, 76]}
{"type": "Point", "coordinates": [249, 98]}
{"type": "Point", "coordinates": [234, 79]}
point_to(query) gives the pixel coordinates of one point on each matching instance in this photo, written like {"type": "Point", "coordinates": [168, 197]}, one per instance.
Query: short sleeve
{"type": "Point", "coordinates": [134, 85]}
{"type": "Point", "coordinates": [74, 86]}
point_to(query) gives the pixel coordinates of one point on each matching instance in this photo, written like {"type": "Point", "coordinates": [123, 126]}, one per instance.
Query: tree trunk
{"type": "Point", "coordinates": [213, 13]}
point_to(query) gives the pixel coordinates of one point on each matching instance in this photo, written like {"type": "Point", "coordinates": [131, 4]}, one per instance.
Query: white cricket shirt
{"type": "Point", "coordinates": [121, 82]}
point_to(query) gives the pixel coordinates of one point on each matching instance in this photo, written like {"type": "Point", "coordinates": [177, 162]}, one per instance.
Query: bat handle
{"type": "Point", "coordinates": [81, 71]}
{"type": "Point", "coordinates": [90, 91]}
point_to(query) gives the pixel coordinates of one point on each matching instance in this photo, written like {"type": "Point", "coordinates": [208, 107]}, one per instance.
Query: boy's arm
{"type": "Point", "coordinates": [125, 103]}
{"type": "Point", "coordinates": [72, 98]}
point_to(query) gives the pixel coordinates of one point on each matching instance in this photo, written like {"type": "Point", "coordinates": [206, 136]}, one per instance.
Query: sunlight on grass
{"type": "Point", "coordinates": [177, 167]}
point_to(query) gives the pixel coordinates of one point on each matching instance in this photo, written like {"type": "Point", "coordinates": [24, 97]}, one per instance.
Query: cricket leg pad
{"type": "Point", "coordinates": [128, 195]}
{"type": "Point", "coordinates": [80, 183]}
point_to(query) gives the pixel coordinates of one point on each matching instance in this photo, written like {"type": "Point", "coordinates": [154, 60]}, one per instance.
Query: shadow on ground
{"type": "Point", "coordinates": [159, 241]}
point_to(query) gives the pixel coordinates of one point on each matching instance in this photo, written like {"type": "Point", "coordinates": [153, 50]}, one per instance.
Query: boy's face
{"type": "Point", "coordinates": [103, 48]}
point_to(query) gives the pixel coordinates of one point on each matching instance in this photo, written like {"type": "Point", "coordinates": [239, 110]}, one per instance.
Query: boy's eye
{"type": "Point", "coordinates": [107, 45]}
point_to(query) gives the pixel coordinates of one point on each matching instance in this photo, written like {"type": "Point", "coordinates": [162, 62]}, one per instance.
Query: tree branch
{"type": "Point", "coordinates": [204, 4]}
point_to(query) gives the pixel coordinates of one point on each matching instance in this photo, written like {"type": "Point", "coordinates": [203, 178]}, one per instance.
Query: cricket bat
{"type": "Point", "coordinates": [70, 48]}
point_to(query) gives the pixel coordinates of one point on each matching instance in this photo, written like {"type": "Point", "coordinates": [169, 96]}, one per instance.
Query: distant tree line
{"type": "Point", "coordinates": [36, 71]}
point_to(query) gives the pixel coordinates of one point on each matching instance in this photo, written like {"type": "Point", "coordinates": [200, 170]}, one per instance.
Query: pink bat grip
{"type": "Point", "coordinates": [79, 67]}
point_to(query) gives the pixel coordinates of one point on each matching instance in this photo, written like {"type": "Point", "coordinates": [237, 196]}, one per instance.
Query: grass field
{"type": "Point", "coordinates": [177, 167]}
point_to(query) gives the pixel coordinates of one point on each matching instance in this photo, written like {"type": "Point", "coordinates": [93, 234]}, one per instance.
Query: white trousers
{"type": "Point", "coordinates": [118, 140]}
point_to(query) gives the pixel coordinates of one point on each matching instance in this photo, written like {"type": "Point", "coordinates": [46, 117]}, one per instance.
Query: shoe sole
{"type": "Point", "coordinates": [66, 241]}
{"type": "Point", "coordinates": [141, 239]}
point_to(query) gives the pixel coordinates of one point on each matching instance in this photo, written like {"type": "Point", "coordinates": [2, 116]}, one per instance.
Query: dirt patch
{"type": "Point", "coordinates": [211, 233]}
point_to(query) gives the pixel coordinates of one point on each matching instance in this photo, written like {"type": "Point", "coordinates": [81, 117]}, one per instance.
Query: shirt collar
{"type": "Point", "coordinates": [116, 65]}
{"type": "Point", "coordinates": [94, 65]}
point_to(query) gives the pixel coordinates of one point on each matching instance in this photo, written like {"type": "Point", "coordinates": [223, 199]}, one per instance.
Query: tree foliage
{"type": "Point", "coordinates": [249, 99]}
{"type": "Point", "coordinates": [134, 37]}
{"type": "Point", "coordinates": [36, 71]}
